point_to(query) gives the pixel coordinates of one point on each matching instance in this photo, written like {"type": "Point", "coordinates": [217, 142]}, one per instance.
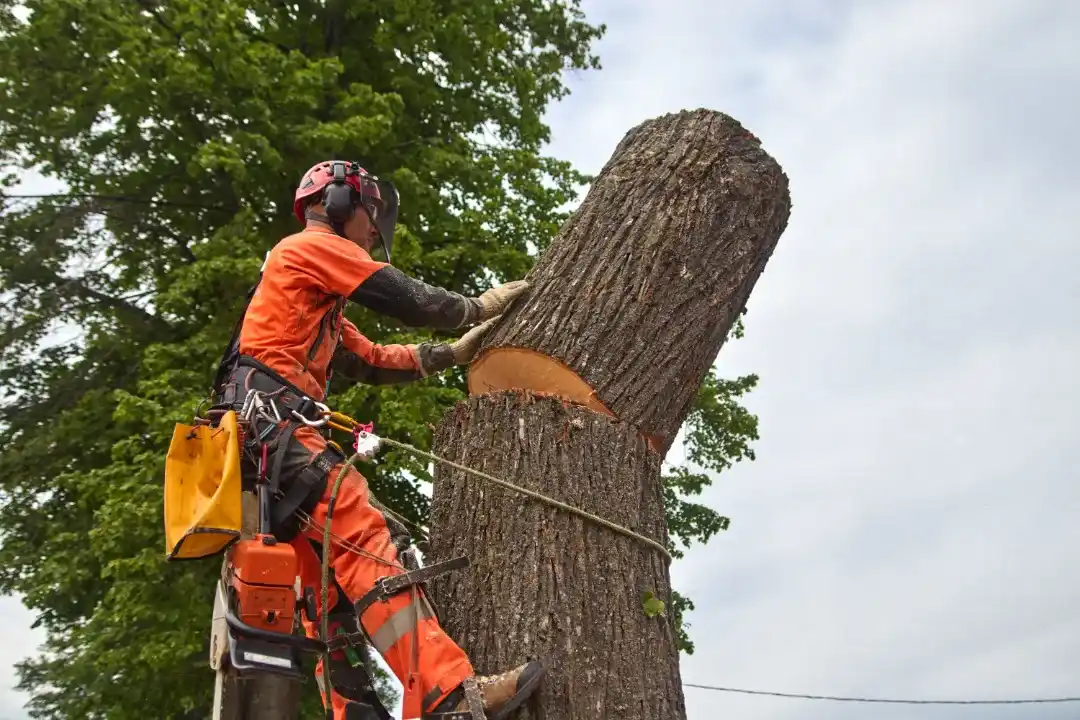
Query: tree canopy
{"type": "Point", "coordinates": [180, 128]}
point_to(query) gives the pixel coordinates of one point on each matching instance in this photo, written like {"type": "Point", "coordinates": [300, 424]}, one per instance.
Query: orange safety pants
{"type": "Point", "coordinates": [436, 665]}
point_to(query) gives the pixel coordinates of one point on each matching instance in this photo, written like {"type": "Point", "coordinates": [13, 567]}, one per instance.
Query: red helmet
{"type": "Point", "coordinates": [329, 178]}
{"type": "Point", "coordinates": [322, 174]}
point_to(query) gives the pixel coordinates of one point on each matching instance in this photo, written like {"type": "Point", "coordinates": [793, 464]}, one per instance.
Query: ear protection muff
{"type": "Point", "coordinates": [341, 199]}
{"type": "Point", "coordinates": [337, 198]}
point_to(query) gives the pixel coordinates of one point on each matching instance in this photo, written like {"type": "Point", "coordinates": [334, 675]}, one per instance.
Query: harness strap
{"type": "Point", "coordinates": [247, 373]}
{"type": "Point", "coordinates": [308, 481]}
{"type": "Point", "coordinates": [232, 350]}
{"type": "Point", "coordinates": [283, 441]}
{"type": "Point", "coordinates": [344, 640]}
{"type": "Point", "coordinates": [387, 587]}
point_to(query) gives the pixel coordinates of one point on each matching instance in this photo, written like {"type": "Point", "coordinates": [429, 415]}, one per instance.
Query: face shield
{"type": "Point", "coordinates": [380, 200]}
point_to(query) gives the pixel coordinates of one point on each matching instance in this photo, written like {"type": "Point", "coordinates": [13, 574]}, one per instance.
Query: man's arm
{"type": "Point", "coordinates": [361, 360]}
{"type": "Point", "coordinates": [341, 267]}
{"type": "Point", "coordinates": [389, 291]}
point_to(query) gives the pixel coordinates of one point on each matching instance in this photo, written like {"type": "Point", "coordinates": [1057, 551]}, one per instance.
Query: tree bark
{"type": "Point", "coordinates": [632, 301]}
{"type": "Point", "coordinates": [267, 697]}
{"type": "Point", "coordinates": [577, 394]}
{"type": "Point", "coordinates": [547, 585]}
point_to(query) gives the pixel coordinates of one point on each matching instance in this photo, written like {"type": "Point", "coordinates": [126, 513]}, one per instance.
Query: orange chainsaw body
{"type": "Point", "coordinates": [264, 583]}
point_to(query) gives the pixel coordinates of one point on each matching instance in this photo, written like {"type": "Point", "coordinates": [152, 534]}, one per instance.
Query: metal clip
{"type": "Point", "coordinates": [321, 422]}
{"type": "Point", "coordinates": [274, 407]}
{"type": "Point", "coordinates": [367, 444]}
{"type": "Point", "coordinates": [243, 413]}
{"type": "Point", "coordinates": [266, 432]}
{"type": "Point", "coordinates": [311, 423]}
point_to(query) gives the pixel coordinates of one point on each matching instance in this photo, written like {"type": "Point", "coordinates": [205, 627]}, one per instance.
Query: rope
{"type": "Point", "coordinates": [534, 495]}
{"type": "Point", "coordinates": [835, 698]}
{"type": "Point", "coordinates": [345, 543]}
{"type": "Point", "coordinates": [324, 615]}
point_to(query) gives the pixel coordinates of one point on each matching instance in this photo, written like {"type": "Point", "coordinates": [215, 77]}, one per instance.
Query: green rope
{"type": "Point", "coordinates": [535, 495]}
{"type": "Point", "coordinates": [324, 615]}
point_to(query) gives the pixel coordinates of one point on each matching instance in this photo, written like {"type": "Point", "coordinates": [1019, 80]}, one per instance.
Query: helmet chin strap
{"type": "Point", "coordinates": [385, 249]}
{"type": "Point", "coordinates": [382, 240]}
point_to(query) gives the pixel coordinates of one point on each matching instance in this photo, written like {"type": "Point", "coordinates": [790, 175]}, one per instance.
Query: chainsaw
{"type": "Point", "coordinates": [258, 597]}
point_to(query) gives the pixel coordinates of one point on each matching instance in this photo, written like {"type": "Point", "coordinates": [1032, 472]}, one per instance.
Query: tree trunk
{"type": "Point", "coordinates": [578, 393]}
{"type": "Point", "coordinates": [631, 303]}
{"type": "Point", "coordinates": [267, 697]}
{"type": "Point", "coordinates": [547, 585]}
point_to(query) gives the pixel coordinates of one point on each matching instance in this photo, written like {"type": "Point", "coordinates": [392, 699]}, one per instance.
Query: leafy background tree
{"type": "Point", "coordinates": [180, 128]}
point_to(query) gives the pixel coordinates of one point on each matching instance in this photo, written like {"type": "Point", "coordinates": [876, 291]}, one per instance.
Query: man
{"type": "Point", "coordinates": [291, 336]}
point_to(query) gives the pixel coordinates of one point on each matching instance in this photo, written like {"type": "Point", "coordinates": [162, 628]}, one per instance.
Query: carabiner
{"type": "Point", "coordinates": [310, 423]}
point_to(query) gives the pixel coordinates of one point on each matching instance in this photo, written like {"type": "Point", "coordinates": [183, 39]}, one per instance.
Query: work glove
{"type": "Point", "coordinates": [465, 347]}
{"type": "Point", "coordinates": [494, 301]}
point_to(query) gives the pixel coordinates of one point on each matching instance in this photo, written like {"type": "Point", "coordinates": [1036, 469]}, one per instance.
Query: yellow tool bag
{"type": "Point", "coordinates": [202, 489]}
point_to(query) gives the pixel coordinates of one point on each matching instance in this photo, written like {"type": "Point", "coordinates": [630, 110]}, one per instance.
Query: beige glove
{"type": "Point", "coordinates": [465, 347]}
{"type": "Point", "coordinates": [494, 301]}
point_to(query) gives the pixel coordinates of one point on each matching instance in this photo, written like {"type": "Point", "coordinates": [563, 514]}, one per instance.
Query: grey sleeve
{"type": "Point", "coordinates": [388, 291]}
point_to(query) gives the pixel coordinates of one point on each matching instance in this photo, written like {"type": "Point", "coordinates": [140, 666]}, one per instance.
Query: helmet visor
{"type": "Point", "coordinates": [380, 200]}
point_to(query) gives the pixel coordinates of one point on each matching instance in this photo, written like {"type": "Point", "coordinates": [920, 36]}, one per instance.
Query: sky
{"type": "Point", "coordinates": [909, 528]}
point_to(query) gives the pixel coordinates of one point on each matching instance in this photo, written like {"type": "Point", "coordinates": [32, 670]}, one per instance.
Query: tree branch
{"type": "Point", "coordinates": [79, 288]}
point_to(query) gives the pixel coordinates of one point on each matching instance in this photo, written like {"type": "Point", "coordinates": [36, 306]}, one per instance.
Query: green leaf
{"type": "Point", "coordinates": [652, 605]}
{"type": "Point", "coordinates": [719, 433]}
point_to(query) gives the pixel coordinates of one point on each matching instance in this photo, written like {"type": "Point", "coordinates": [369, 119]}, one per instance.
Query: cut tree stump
{"type": "Point", "coordinates": [578, 393]}
{"type": "Point", "coordinates": [545, 584]}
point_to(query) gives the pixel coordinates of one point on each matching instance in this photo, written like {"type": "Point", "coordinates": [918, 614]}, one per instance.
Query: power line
{"type": "Point", "coordinates": [115, 198]}
{"type": "Point", "coordinates": [836, 698]}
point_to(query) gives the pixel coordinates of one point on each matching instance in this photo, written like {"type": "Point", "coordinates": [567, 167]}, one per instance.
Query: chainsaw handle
{"type": "Point", "coordinates": [300, 642]}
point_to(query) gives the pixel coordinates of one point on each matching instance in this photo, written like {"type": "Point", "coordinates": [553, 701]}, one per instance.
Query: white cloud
{"type": "Point", "coordinates": [907, 527]}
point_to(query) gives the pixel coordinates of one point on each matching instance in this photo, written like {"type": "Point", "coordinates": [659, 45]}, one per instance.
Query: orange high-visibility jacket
{"type": "Point", "coordinates": [294, 323]}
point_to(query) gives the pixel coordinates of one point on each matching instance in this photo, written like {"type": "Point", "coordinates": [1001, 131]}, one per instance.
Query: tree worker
{"type": "Point", "coordinates": [291, 336]}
